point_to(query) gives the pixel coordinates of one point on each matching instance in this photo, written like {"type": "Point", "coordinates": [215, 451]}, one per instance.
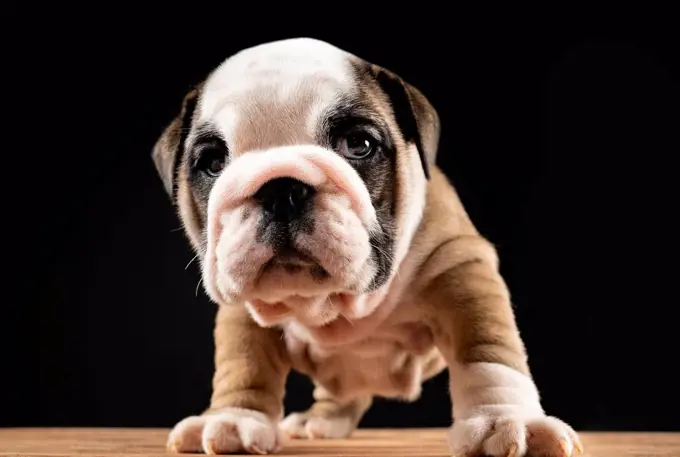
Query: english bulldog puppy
{"type": "Point", "coordinates": [306, 182]}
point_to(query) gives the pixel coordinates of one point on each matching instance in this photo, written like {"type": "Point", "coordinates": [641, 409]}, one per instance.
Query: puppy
{"type": "Point", "coordinates": [305, 179]}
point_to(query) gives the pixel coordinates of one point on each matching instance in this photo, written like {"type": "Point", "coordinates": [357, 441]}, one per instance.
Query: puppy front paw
{"type": "Point", "coordinates": [227, 431]}
{"type": "Point", "coordinates": [513, 436]}
{"type": "Point", "coordinates": [306, 425]}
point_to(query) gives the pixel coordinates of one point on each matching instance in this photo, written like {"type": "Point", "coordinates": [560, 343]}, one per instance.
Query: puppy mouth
{"type": "Point", "coordinates": [293, 260]}
{"type": "Point", "coordinates": [292, 257]}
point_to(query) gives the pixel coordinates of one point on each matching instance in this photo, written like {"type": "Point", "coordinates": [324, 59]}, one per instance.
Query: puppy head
{"type": "Point", "coordinates": [299, 173]}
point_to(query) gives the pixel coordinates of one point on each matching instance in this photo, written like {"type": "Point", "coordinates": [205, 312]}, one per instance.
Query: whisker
{"type": "Point", "coordinates": [190, 261]}
{"type": "Point", "coordinates": [390, 257]}
{"type": "Point", "coordinates": [198, 285]}
{"type": "Point", "coordinates": [396, 272]}
{"type": "Point", "coordinates": [176, 229]}
{"type": "Point", "coordinates": [346, 318]}
{"type": "Point", "coordinates": [340, 312]}
{"type": "Point", "coordinates": [377, 248]}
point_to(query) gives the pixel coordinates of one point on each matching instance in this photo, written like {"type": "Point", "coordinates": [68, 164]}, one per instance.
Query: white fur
{"type": "Point", "coordinates": [412, 199]}
{"type": "Point", "coordinates": [230, 430]}
{"type": "Point", "coordinates": [300, 425]}
{"type": "Point", "coordinates": [321, 168]}
{"type": "Point", "coordinates": [278, 66]}
{"type": "Point", "coordinates": [497, 411]}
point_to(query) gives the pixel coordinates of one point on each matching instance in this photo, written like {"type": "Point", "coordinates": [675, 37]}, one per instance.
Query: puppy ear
{"type": "Point", "coordinates": [167, 152]}
{"type": "Point", "coordinates": [415, 115]}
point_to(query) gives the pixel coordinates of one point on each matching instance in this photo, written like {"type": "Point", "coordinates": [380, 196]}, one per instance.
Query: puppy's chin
{"type": "Point", "coordinates": [317, 312]}
{"type": "Point", "coordinates": [314, 311]}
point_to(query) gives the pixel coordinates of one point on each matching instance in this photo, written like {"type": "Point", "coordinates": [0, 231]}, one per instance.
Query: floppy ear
{"type": "Point", "coordinates": [167, 152]}
{"type": "Point", "coordinates": [415, 115]}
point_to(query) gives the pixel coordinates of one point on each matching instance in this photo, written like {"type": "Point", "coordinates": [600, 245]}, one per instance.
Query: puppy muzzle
{"type": "Point", "coordinates": [288, 233]}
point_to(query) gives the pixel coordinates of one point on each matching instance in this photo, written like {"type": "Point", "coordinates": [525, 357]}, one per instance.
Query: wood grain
{"type": "Point", "coordinates": [364, 443]}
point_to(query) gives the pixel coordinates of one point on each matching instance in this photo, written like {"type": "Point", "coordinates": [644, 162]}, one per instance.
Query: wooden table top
{"type": "Point", "coordinates": [364, 443]}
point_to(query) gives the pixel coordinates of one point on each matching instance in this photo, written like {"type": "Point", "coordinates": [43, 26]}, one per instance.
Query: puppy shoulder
{"type": "Point", "coordinates": [446, 235]}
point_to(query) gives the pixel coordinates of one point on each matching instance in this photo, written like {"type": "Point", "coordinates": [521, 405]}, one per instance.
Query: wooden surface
{"type": "Point", "coordinates": [364, 443]}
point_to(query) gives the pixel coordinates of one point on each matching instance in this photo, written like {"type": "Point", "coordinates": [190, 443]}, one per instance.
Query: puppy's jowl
{"type": "Point", "coordinates": [305, 179]}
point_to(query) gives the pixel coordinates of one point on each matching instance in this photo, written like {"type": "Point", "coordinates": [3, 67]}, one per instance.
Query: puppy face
{"type": "Point", "coordinates": [299, 173]}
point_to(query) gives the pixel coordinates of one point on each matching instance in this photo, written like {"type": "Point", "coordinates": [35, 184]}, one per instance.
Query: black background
{"type": "Point", "coordinates": [562, 142]}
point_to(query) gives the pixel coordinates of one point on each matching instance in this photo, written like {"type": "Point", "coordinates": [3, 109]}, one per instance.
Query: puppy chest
{"type": "Point", "coordinates": [391, 363]}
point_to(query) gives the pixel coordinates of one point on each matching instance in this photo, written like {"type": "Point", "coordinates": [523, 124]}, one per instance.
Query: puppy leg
{"type": "Point", "coordinates": [248, 389]}
{"type": "Point", "coordinates": [496, 406]}
{"type": "Point", "coordinates": [326, 418]}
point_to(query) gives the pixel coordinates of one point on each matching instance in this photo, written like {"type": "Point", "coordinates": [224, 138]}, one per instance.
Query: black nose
{"type": "Point", "coordinates": [285, 198]}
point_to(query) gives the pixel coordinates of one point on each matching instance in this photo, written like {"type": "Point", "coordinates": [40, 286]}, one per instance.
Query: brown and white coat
{"type": "Point", "coordinates": [378, 282]}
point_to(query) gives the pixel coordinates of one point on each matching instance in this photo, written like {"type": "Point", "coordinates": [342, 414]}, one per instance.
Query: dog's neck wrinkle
{"type": "Point", "coordinates": [343, 331]}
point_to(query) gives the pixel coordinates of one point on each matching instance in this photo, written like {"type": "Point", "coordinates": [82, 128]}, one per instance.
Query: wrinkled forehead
{"type": "Point", "coordinates": [276, 94]}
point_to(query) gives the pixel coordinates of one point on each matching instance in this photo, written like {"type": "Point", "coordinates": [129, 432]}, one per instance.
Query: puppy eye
{"type": "Point", "coordinates": [357, 146]}
{"type": "Point", "coordinates": [211, 161]}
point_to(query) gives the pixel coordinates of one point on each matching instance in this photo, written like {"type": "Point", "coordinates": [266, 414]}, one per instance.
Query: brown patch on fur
{"type": "Point", "coordinates": [467, 301]}
{"type": "Point", "coordinates": [166, 152]}
{"type": "Point", "coordinates": [170, 160]}
{"type": "Point", "coordinates": [266, 121]}
{"type": "Point", "coordinates": [471, 316]}
{"type": "Point", "coordinates": [191, 214]}
{"type": "Point", "coordinates": [250, 364]}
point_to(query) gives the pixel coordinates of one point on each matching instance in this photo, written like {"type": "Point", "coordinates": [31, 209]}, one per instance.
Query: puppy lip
{"type": "Point", "coordinates": [294, 257]}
